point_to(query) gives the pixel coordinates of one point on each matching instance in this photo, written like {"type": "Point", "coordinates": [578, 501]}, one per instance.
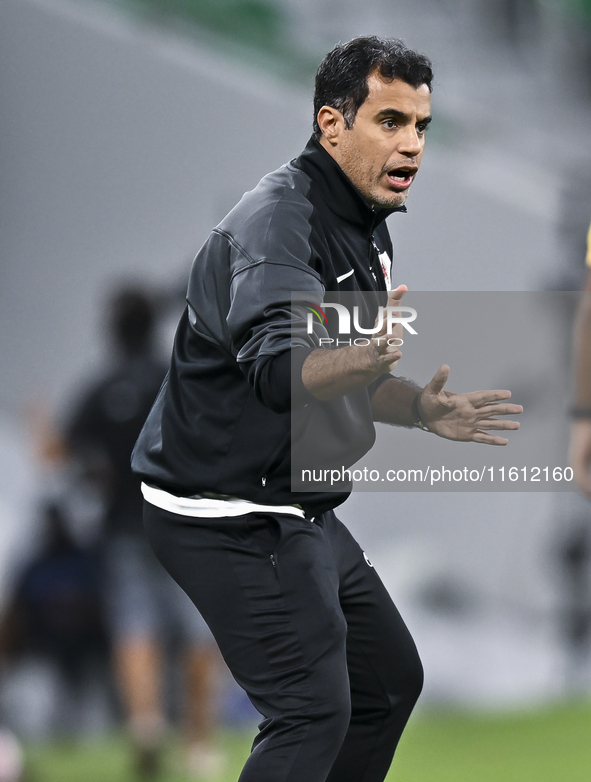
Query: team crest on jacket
{"type": "Point", "coordinates": [386, 265]}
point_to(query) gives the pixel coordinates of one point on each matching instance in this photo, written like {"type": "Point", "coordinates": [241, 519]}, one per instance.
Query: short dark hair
{"type": "Point", "coordinates": [341, 79]}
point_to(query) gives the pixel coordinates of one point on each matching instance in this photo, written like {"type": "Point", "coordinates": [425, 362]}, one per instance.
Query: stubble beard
{"type": "Point", "coordinates": [370, 188]}
{"type": "Point", "coordinates": [394, 201]}
{"type": "Point", "coordinates": [368, 183]}
{"type": "Point", "coordinates": [383, 200]}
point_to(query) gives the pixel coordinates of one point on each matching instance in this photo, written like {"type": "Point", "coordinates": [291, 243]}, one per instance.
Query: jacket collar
{"type": "Point", "coordinates": [338, 192]}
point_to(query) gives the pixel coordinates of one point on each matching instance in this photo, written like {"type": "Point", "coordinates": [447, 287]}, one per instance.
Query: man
{"type": "Point", "coordinates": [301, 617]}
{"type": "Point", "coordinates": [143, 604]}
{"type": "Point", "coordinates": [580, 441]}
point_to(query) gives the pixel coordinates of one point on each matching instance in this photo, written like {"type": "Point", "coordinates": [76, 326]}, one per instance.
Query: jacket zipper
{"type": "Point", "coordinates": [374, 254]}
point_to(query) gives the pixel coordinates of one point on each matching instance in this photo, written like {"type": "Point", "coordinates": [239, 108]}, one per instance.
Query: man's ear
{"type": "Point", "coordinates": [331, 123]}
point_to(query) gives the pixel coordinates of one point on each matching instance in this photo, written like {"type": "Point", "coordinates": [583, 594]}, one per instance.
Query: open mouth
{"type": "Point", "coordinates": [401, 178]}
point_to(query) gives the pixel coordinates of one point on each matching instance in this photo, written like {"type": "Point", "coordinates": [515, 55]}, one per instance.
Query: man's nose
{"type": "Point", "coordinates": [409, 141]}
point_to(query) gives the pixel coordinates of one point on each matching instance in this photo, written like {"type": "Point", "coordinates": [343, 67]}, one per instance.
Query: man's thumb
{"type": "Point", "coordinates": [439, 379]}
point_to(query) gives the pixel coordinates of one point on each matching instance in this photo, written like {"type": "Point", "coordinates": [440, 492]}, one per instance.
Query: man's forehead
{"type": "Point", "coordinates": [396, 94]}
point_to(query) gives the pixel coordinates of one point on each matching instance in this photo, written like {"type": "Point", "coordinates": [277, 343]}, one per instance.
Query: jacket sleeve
{"type": "Point", "coordinates": [241, 292]}
{"type": "Point", "coordinates": [267, 328]}
{"type": "Point", "coordinates": [278, 381]}
{"type": "Point", "coordinates": [272, 268]}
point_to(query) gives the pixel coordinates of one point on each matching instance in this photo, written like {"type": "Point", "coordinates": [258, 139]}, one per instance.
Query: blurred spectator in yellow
{"type": "Point", "coordinates": [580, 441]}
{"type": "Point", "coordinates": [144, 606]}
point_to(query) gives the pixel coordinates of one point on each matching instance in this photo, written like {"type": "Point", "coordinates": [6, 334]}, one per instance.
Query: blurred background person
{"type": "Point", "coordinates": [145, 610]}
{"type": "Point", "coordinates": [575, 549]}
{"type": "Point", "coordinates": [55, 614]}
{"type": "Point", "coordinates": [580, 443]}
{"type": "Point", "coordinates": [574, 560]}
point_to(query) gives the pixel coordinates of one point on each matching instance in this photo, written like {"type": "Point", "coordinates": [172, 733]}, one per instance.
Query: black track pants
{"type": "Point", "coordinates": [308, 630]}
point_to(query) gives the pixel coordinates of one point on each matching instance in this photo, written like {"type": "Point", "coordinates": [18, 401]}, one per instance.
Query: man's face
{"type": "Point", "coordinates": [382, 151]}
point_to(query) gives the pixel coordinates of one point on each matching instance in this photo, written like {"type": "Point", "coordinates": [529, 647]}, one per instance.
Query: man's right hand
{"type": "Point", "coordinates": [388, 355]}
{"type": "Point", "coordinates": [328, 374]}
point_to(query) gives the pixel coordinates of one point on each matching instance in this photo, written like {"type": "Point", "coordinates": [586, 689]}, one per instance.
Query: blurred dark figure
{"type": "Point", "coordinates": [145, 608]}
{"type": "Point", "coordinates": [56, 611]}
{"type": "Point", "coordinates": [103, 430]}
{"type": "Point", "coordinates": [575, 559]}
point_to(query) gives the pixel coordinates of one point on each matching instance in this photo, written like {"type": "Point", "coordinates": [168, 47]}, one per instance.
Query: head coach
{"type": "Point", "coordinates": [300, 615]}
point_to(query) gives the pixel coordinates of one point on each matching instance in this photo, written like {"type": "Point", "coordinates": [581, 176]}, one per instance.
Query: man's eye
{"type": "Point", "coordinates": [422, 127]}
{"type": "Point", "coordinates": [390, 123]}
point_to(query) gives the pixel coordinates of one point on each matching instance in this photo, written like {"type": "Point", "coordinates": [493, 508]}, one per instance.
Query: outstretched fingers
{"type": "Point", "coordinates": [494, 423]}
{"type": "Point", "coordinates": [480, 398]}
{"type": "Point", "coordinates": [498, 409]}
{"type": "Point", "coordinates": [489, 439]}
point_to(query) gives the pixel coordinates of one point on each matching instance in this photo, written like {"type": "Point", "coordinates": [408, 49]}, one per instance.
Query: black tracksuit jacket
{"type": "Point", "coordinates": [222, 421]}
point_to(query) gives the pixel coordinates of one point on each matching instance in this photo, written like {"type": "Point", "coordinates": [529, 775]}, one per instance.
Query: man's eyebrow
{"type": "Point", "coordinates": [401, 115]}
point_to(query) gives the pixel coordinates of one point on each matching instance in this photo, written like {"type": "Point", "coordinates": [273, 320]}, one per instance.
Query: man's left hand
{"type": "Point", "coordinates": [465, 417]}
